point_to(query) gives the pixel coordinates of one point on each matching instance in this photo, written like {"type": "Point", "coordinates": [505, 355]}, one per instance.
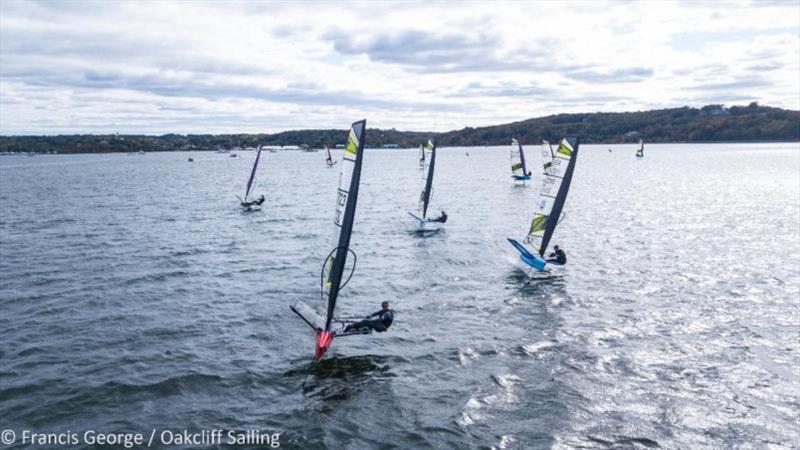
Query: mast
{"type": "Point", "coordinates": [426, 194]}
{"type": "Point", "coordinates": [345, 211]}
{"type": "Point", "coordinates": [252, 175]}
{"type": "Point", "coordinates": [555, 186]}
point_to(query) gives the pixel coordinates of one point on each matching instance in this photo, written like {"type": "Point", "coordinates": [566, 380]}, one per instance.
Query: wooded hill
{"type": "Point", "coordinates": [711, 123]}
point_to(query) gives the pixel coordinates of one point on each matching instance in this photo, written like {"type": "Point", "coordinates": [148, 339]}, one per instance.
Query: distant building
{"type": "Point", "coordinates": [391, 146]}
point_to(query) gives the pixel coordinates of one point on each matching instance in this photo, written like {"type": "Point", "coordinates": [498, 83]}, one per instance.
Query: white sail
{"type": "Point", "coordinates": [555, 184]}
{"type": "Point", "coordinates": [343, 192]}
{"type": "Point", "coordinates": [517, 159]}
{"type": "Point", "coordinates": [426, 193]}
{"type": "Point", "coordinates": [547, 155]}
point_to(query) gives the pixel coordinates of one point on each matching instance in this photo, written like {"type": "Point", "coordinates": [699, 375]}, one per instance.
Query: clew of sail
{"type": "Point", "coordinates": [427, 189]}
{"type": "Point", "coordinates": [518, 168]}
{"type": "Point", "coordinates": [555, 186]}
{"type": "Point", "coordinates": [251, 181]}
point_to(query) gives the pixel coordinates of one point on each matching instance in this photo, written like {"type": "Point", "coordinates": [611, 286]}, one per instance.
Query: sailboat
{"type": "Point", "coordinates": [558, 168]}
{"type": "Point", "coordinates": [421, 156]}
{"type": "Point", "coordinates": [519, 171]}
{"type": "Point", "coordinates": [640, 151]}
{"type": "Point", "coordinates": [427, 189]}
{"type": "Point", "coordinates": [328, 327]}
{"type": "Point", "coordinates": [249, 205]}
{"type": "Point", "coordinates": [328, 159]}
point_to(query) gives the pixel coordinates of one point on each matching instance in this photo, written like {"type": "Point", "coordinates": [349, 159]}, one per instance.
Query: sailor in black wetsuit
{"type": "Point", "coordinates": [557, 257]}
{"type": "Point", "coordinates": [442, 218]}
{"type": "Point", "coordinates": [257, 202]}
{"type": "Point", "coordinates": [384, 320]}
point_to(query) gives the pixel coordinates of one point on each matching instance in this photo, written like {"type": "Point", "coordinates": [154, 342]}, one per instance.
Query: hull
{"type": "Point", "coordinates": [527, 257]}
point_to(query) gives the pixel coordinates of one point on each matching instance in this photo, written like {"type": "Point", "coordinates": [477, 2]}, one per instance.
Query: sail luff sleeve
{"type": "Point", "coordinates": [345, 211]}
{"type": "Point", "coordinates": [522, 160]}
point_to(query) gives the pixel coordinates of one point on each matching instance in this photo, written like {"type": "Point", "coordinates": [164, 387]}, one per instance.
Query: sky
{"type": "Point", "coordinates": [159, 67]}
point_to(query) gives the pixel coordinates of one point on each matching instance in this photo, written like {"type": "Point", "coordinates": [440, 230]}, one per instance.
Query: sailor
{"type": "Point", "coordinates": [384, 320]}
{"type": "Point", "coordinates": [257, 202]}
{"type": "Point", "coordinates": [557, 256]}
{"type": "Point", "coordinates": [442, 218]}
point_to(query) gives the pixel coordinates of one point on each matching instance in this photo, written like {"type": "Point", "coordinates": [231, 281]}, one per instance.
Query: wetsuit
{"type": "Point", "coordinates": [442, 219]}
{"type": "Point", "coordinates": [557, 257]}
{"type": "Point", "coordinates": [381, 324]}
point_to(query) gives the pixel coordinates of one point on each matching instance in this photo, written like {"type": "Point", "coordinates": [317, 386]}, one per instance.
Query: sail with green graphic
{"type": "Point", "coordinates": [547, 155]}
{"type": "Point", "coordinates": [332, 278]}
{"type": "Point", "coordinates": [519, 170]}
{"type": "Point", "coordinates": [555, 186]}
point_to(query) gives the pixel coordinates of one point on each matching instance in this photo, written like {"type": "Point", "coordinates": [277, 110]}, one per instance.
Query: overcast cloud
{"type": "Point", "coordinates": [225, 67]}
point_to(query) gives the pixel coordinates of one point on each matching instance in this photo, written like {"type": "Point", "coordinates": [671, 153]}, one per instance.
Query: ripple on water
{"type": "Point", "coordinates": [167, 305]}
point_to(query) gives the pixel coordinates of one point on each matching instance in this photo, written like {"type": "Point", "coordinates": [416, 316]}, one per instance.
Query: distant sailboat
{"type": "Point", "coordinates": [427, 190]}
{"type": "Point", "coordinates": [640, 151]}
{"type": "Point", "coordinates": [421, 157]}
{"type": "Point", "coordinates": [519, 170]}
{"type": "Point", "coordinates": [558, 169]}
{"type": "Point", "coordinates": [328, 327]}
{"type": "Point", "coordinates": [328, 159]}
{"type": "Point", "coordinates": [249, 205]}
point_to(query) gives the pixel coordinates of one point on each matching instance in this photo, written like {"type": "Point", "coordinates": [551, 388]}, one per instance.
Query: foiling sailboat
{"type": "Point", "coordinates": [519, 170]}
{"type": "Point", "coordinates": [557, 176]}
{"type": "Point", "coordinates": [328, 158]}
{"type": "Point", "coordinates": [246, 203]}
{"type": "Point", "coordinates": [640, 150]}
{"type": "Point", "coordinates": [333, 269]}
{"type": "Point", "coordinates": [427, 191]}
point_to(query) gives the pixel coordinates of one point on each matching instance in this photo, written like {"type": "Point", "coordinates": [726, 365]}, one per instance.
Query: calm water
{"type": "Point", "coordinates": [134, 294]}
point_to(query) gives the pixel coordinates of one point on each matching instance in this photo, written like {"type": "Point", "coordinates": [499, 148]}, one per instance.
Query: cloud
{"type": "Point", "coordinates": [264, 66]}
{"type": "Point", "coordinates": [627, 75]}
{"type": "Point", "coordinates": [433, 51]}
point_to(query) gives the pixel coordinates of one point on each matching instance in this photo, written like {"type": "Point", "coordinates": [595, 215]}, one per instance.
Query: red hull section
{"type": "Point", "coordinates": [324, 340]}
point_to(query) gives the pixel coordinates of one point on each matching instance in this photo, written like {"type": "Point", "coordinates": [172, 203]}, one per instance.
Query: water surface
{"type": "Point", "coordinates": [135, 294]}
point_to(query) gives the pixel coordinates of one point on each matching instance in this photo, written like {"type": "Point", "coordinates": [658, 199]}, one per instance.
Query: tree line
{"type": "Point", "coordinates": [711, 123]}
